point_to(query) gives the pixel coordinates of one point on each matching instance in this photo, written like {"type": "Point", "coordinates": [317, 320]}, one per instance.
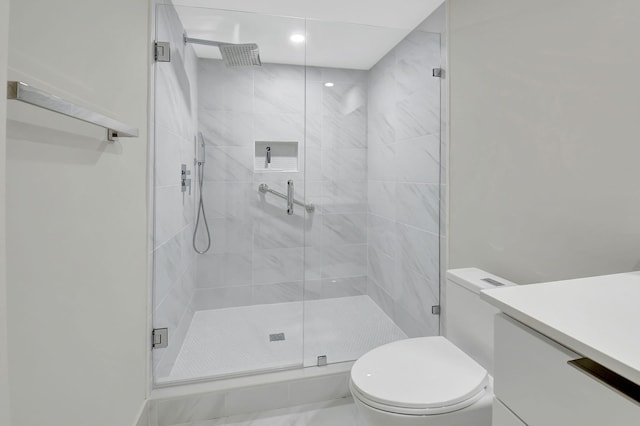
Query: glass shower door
{"type": "Point", "coordinates": [279, 182]}
{"type": "Point", "coordinates": [353, 130]}
{"type": "Point", "coordinates": [235, 309]}
{"type": "Point", "coordinates": [373, 172]}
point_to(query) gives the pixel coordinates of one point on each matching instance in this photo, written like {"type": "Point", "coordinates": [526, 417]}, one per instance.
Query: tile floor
{"type": "Point", "coordinates": [341, 412]}
{"type": "Point", "coordinates": [233, 341]}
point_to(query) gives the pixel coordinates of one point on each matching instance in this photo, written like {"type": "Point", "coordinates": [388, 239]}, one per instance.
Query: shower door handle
{"type": "Point", "coordinates": [290, 198]}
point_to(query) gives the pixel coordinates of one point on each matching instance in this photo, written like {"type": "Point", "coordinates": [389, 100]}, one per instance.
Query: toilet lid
{"type": "Point", "coordinates": [423, 373]}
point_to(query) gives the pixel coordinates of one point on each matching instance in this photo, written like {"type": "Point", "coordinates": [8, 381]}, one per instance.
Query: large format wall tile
{"type": "Point", "coordinates": [173, 99]}
{"type": "Point", "coordinates": [275, 229]}
{"type": "Point", "coordinates": [175, 129]}
{"type": "Point", "coordinates": [344, 163]}
{"type": "Point", "coordinates": [344, 229]}
{"type": "Point", "coordinates": [416, 116]}
{"type": "Point", "coordinates": [419, 250]}
{"type": "Point", "coordinates": [260, 254]}
{"type": "Point", "coordinates": [382, 234]}
{"type": "Point", "coordinates": [222, 297]}
{"type": "Point", "coordinates": [168, 267]}
{"type": "Point", "coordinates": [417, 160]}
{"type": "Point", "coordinates": [222, 88]}
{"type": "Point", "coordinates": [225, 269]}
{"type": "Point", "coordinates": [277, 293]}
{"type": "Point", "coordinates": [270, 126]}
{"type": "Point", "coordinates": [418, 205]}
{"type": "Point", "coordinates": [227, 128]}
{"type": "Point", "coordinates": [381, 161]}
{"type": "Point", "coordinates": [382, 269]}
{"type": "Point", "coordinates": [278, 95]}
{"type": "Point", "coordinates": [278, 265]}
{"type": "Point", "coordinates": [382, 198]}
{"type": "Point", "coordinates": [345, 261]}
{"type": "Point", "coordinates": [345, 131]}
{"type": "Point", "coordinates": [230, 199]}
{"type": "Point", "coordinates": [344, 196]}
{"type": "Point", "coordinates": [168, 158]}
{"type": "Point", "coordinates": [229, 235]}
{"type": "Point", "coordinates": [403, 169]}
{"type": "Point", "coordinates": [335, 287]}
{"type": "Point", "coordinates": [228, 163]}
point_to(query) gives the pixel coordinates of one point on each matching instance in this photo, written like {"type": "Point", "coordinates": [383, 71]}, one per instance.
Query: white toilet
{"type": "Point", "coordinates": [435, 381]}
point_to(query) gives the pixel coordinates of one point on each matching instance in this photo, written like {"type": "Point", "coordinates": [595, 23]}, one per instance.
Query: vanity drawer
{"type": "Point", "coordinates": [533, 379]}
{"type": "Point", "coordinates": [502, 416]}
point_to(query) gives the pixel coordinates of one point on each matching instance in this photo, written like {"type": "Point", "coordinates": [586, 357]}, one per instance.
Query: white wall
{"type": "Point", "coordinates": [545, 100]}
{"type": "Point", "coordinates": [77, 218]}
{"type": "Point", "coordinates": [4, 372]}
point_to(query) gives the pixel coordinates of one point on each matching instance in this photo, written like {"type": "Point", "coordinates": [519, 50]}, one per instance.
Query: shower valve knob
{"type": "Point", "coordinates": [185, 183]}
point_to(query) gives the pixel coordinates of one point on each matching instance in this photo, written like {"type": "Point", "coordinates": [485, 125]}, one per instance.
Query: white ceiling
{"type": "Point", "coordinates": [341, 34]}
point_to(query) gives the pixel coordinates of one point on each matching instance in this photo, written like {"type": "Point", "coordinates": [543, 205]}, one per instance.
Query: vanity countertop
{"type": "Point", "coordinates": [596, 317]}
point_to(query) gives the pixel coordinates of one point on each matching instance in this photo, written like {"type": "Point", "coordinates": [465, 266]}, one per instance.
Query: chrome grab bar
{"type": "Point", "coordinates": [19, 91]}
{"type": "Point", "coordinates": [264, 188]}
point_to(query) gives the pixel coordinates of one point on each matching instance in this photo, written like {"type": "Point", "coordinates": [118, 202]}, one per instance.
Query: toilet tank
{"type": "Point", "coordinates": [468, 320]}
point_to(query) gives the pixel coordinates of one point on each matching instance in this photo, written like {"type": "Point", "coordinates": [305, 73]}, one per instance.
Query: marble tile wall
{"type": "Point", "coordinates": [174, 270]}
{"type": "Point", "coordinates": [259, 253]}
{"type": "Point", "coordinates": [247, 402]}
{"type": "Point", "coordinates": [403, 222]}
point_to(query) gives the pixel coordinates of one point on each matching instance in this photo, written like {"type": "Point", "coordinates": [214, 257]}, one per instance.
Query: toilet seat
{"type": "Point", "coordinates": [422, 376]}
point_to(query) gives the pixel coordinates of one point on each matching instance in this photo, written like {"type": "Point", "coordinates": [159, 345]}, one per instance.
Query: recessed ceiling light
{"type": "Point", "coordinates": [297, 38]}
{"type": "Point", "coordinates": [328, 84]}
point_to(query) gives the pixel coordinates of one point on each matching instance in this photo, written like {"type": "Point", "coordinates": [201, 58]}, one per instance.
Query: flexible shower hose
{"type": "Point", "coordinates": [202, 213]}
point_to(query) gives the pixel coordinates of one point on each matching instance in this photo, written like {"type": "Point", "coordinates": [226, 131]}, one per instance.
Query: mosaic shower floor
{"type": "Point", "coordinates": [236, 341]}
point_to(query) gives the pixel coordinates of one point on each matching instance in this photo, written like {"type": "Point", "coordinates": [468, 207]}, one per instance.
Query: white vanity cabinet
{"type": "Point", "coordinates": [536, 385]}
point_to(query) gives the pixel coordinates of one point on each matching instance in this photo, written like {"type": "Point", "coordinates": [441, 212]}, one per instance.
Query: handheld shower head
{"type": "Point", "coordinates": [201, 210]}
{"type": "Point", "coordinates": [201, 156]}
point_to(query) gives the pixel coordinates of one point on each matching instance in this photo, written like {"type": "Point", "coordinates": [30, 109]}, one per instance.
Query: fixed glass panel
{"type": "Point", "coordinates": [225, 128]}
{"type": "Point", "coordinates": [373, 172]}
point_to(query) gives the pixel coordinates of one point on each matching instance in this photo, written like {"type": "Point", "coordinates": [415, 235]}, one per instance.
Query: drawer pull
{"type": "Point", "coordinates": [607, 377]}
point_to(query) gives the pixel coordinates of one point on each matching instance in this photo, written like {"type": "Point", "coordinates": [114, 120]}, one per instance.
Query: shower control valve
{"type": "Point", "coordinates": [184, 181]}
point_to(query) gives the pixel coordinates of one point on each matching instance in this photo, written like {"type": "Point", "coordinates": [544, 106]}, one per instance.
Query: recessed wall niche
{"type": "Point", "coordinates": [276, 156]}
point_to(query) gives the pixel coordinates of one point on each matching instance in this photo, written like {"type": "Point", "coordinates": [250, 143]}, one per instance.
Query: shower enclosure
{"type": "Point", "coordinates": [321, 190]}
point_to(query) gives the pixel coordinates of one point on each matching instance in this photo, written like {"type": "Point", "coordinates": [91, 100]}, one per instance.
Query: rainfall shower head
{"type": "Point", "coordinates": [233, 55]}
{"type": "Point", "coordinates": [240, 55]}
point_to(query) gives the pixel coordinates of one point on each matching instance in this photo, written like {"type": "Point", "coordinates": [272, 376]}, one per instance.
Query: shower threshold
{"type": "Point", "coordinates": [222, 343]}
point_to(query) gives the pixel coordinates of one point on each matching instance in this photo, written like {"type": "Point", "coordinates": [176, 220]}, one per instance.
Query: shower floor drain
{"type": "Point", "coordinates": [276, 337]}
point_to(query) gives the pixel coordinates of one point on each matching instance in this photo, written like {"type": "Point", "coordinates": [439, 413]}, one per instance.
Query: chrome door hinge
{"type": "Point", "coordinates": [160, 338]}
{"type": "Point", "coordinates": [435, 309]}
{"type": "Point", "coordinates": [438, 72]}
{"type": "Point", "coordinates": [162, 51]}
